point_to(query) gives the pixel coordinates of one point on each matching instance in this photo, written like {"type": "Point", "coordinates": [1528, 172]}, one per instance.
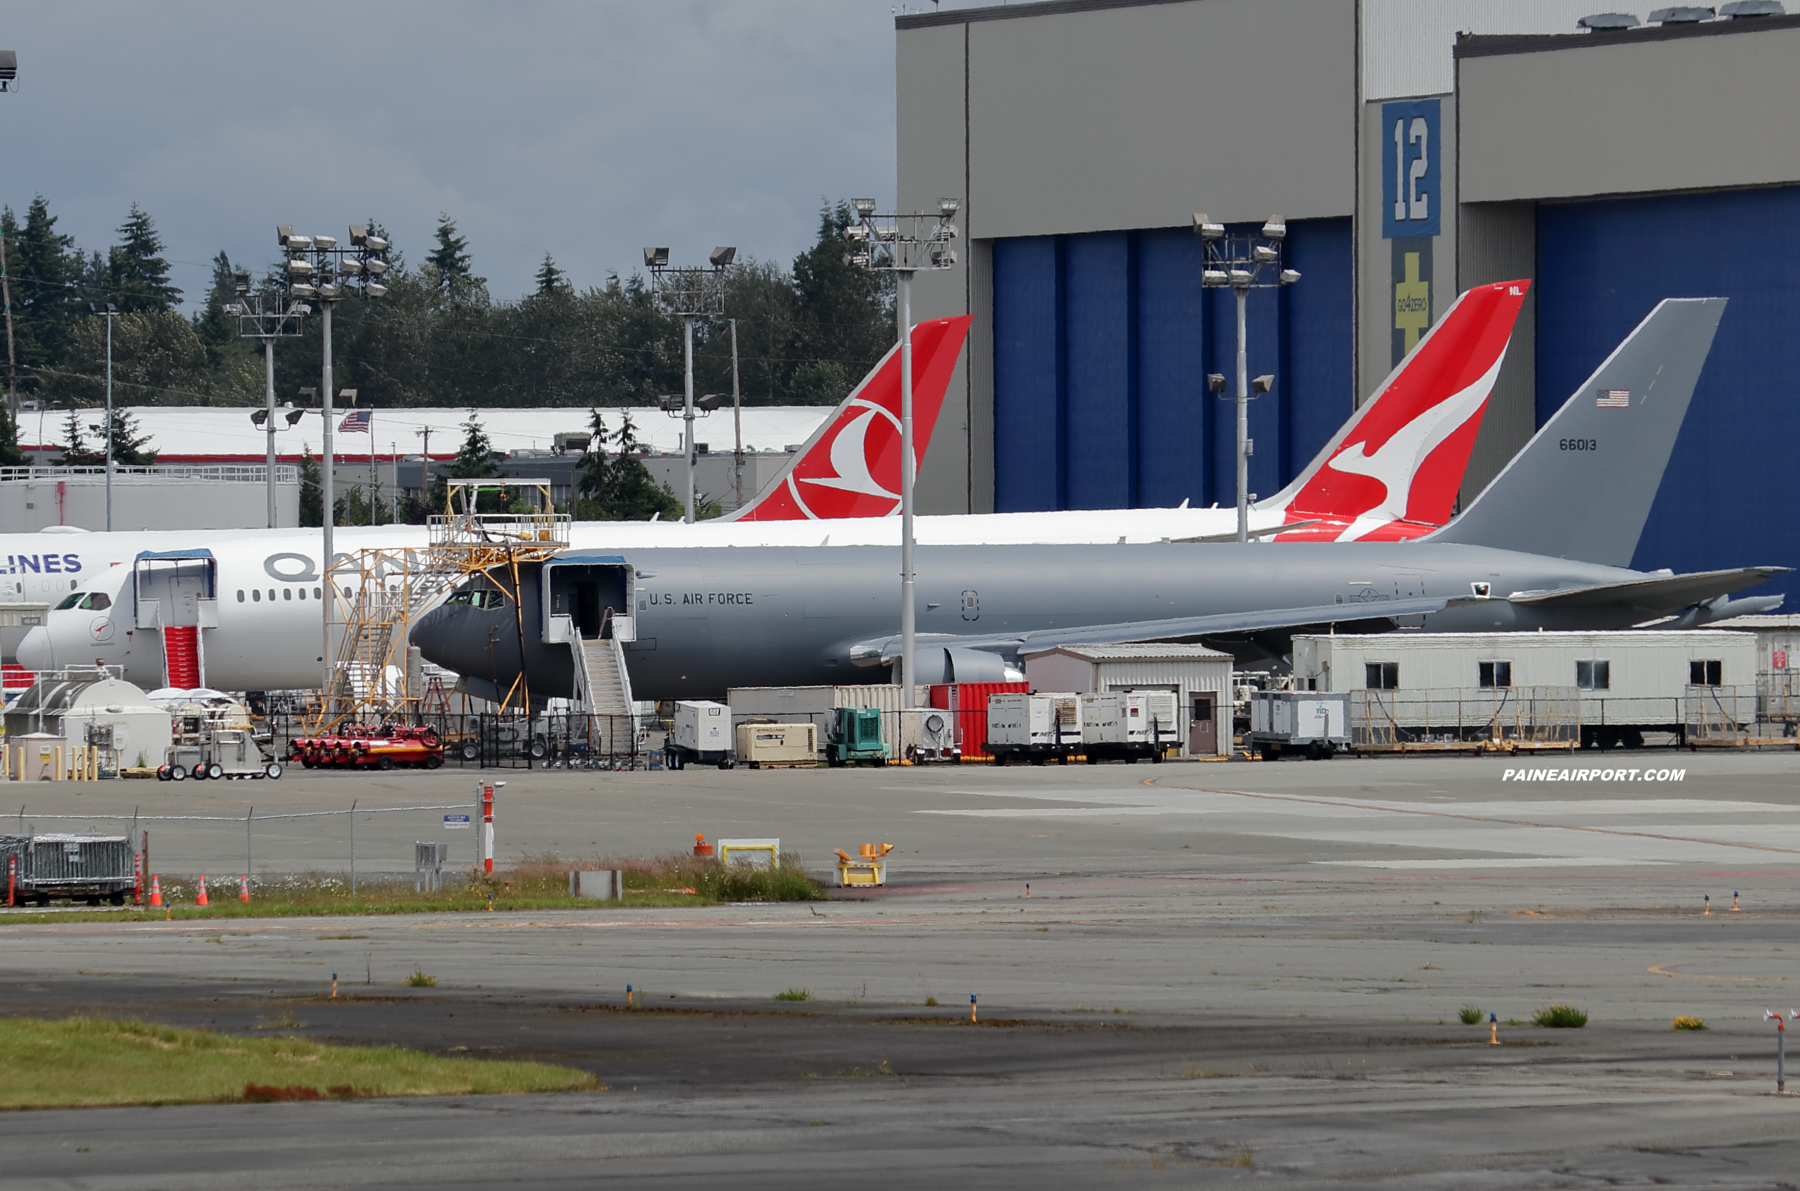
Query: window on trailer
{"type": "Point", "coordinates": [1495, 674]}
{"type": "Point", "coordinates": [1381, 676]}
{"type": "Point", "coordinates": [1593, 676]}
{"type": "Point", "coordinates": [1706, 673]}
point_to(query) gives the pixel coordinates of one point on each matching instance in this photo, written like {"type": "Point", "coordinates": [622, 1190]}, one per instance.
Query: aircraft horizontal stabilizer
{"type": "Point", "coordinates": [885, 650]}
{"type": "Point", "coordinates": [1659, 595]}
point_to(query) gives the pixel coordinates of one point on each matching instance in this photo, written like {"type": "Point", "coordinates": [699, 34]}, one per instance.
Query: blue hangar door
{"type": "Point", "coordinates": [1726, 499]}
{"type": "Point", "coordinates": [1102, 343]}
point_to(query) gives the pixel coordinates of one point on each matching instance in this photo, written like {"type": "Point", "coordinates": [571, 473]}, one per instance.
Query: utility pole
{"type": "Point", "coordinates": [109, 312]}
{"type": "Point", "coordinates": [268, 317]}
{"type": "Point", "coordinates": [737, 419]}
{"type": "Point", "coordinates": [12, 375]}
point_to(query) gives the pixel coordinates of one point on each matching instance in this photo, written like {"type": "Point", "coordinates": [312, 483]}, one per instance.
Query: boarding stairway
{"type": "Point", "coordinates": [181, 657]}
{"type": "Point", "coordinates": [603, 692]}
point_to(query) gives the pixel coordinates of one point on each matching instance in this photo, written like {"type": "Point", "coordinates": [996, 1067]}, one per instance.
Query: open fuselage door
{"type": "Point", "coordinates": [587, 605]}
{"type": "Point", "coordinates": [174, 593]}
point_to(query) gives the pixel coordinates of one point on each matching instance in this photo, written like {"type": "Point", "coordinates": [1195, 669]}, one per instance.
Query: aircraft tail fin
{"type": "Point", "coordinates": [1401, 457]}
{"type": "Point", "coordinates": [850, 467]}
{"type": "Point", "coordinates": [1583, 486]}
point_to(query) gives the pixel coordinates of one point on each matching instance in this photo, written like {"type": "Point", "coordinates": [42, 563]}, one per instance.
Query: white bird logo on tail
{"type": "Point", "coordinates": [850, 459]}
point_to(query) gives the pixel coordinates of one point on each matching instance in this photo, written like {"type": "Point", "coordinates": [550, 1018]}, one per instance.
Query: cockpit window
{"type": "Point", "coordinates": [98, 601]}
{"type": "Point", "coordinates": [69, 601]}
{"type": "Point", "coordinates": [479, 598]}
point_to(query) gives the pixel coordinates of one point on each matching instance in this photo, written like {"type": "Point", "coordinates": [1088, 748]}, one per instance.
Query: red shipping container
{"type": "Point", "coordinates": [969, 701]}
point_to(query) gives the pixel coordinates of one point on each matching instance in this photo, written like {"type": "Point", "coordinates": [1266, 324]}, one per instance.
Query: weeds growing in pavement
{"type": "Point", "coordinates": [1469, 1015]}
{"type": "Point", "coordinates": [794, 994]}
{"type": "Point", "coordinates": [1560, 1017]}
{"type": "Point", "coordinates": [1689, 1023]}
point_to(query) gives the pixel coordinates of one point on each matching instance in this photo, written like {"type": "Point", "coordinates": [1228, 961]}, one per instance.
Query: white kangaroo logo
{"type": "Point", "coordinates": [1395, 463]}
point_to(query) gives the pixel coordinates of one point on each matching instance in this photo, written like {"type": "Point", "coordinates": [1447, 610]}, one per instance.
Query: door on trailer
{"type": "Point", "coordinates": [1203, 729]}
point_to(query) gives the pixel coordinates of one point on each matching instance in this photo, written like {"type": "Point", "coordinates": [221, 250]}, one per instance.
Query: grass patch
{"type": "Point", "coordinates": [83, 1063]}
{"type": "Point", "coordinates": [535, 883]}
{"type": "Point", "coordinates": [420, 979]}
{"type": "Point", "coordinates": [794, 994]}
{"type": "Point", "coordinates": [1689, 1023]}
{"type": "Point", "coordinates": [1560, 1017]}
{"type": "Point", "coordinates": [1469, 1015]}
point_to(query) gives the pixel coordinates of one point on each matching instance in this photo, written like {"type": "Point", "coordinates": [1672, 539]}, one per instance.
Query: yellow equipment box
{"type": "Point", "coordinates": [776, 746]}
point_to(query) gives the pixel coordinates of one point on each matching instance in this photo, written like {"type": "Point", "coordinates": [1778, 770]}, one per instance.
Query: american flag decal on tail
{"type": "Point", "coordinates": [1613, 399]}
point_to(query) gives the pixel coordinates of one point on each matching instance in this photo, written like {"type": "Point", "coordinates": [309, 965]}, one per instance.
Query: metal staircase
{"type": "Point", "coordinates": [181, 657]}
{"type": "Point", "coordinates": [603, 691]}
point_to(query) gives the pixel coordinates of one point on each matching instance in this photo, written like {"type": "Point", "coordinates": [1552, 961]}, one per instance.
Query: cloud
{"type": "Point", "coordinates": [583, 129]}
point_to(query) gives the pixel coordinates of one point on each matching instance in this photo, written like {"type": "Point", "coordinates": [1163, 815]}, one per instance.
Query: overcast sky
{"type": "Point", "coordinates": [585, 129]}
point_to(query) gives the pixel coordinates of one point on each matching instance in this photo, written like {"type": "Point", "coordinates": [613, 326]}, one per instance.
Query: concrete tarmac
{"type": "Point", "coordinates": [1222, 972]}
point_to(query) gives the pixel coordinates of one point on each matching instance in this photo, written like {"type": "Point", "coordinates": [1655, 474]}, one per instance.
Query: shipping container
{"type": "Point", "coordinates": [968, 701]}
{"type": "Point", "coordinates": [815, 704]}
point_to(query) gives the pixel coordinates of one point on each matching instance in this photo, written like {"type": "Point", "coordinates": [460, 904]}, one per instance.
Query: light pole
{"type": "Point", "coordinates": [318, 270]}
{"type": "Point", "coordinates": [108, 312]}
{"type": "Point", "coordinates": [692, 293]}
{"type": "Point", "coordinates": [268, 317]}
{"type": "Point", "coordinates": [902, 245]}
{"type": "Point", "coordinates": [1244, 263]}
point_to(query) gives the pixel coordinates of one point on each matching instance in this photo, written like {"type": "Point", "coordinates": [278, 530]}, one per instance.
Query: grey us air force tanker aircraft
{"type": "Point", "coordinates": [1547, 545]}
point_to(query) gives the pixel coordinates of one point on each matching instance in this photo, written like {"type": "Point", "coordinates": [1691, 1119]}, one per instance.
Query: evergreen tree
{"type": "Point", "coordinates": [842, 312]}
{"type": "Point", "coordinates": [551, 279]}
{"type": "Point", "coordinates": [476, 459]}
{"type": "Point", "coordinates": [42, 266]}
{"type": "Point", "coordinates": [629, 492]}
{"type": "Point", "coordinates": [75, 452]}
{"type": "Point", "coordinates": [216, 329]}
{"type": "Point", "coordinates": [10, 454]}
{"type": "Point", "coordinates": [312, 491]}
{"type": "Point", "coordinates": [590, 489]}
{"type": "Point", "coordinates": [137, 274]}
{"type": "Point", "coordinates": [451, 259]}
{"type": "Point", "coordinates": [129, 446]}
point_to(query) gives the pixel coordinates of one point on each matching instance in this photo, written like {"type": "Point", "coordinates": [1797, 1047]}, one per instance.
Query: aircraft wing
{"type": "Point", "coordinates": [1658, 594]}
{"type": "Point", "coordinates": [881, 651]}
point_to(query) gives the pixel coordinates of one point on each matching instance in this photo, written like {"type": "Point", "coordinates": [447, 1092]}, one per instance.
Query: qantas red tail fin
{"type": "Point", "coordinates": [1401, 457]}
{"type": "Point", "coordinates": [850, 467]}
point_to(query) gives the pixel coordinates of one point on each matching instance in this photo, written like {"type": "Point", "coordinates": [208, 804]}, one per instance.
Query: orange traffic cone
{"type": "Point", "coordinates": [155, 890]}
{"type": "Point", "coordinates": [200, 896]}
{"type": "Point", "coordinates": [243, 889]}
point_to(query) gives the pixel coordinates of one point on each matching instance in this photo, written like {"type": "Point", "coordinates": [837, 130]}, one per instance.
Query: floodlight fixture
{"type": "Point", "coordinates": [375, 290]}
{"type": "Point", "coordinates": [240, 282]}
{"type": "Point", "coordinates": [722, 257]}
{"type": "Point", "coordinates": [1275, 228]}
{"type": "Point", "coordinates": [1215, 382]}
{"type": "Point", "coordinates": [283, 231]}
{"type": "Point", "coordinates": [352, 267]}
{"type": "Point", "coordinates": [1289, 276]}
{"type": "Point", "coordinates": [309, 394]}
{"type": "Point", "coordinates": [1265, 254]}
{"type": "Point", "coordinates": [299, 243]}
{"type": "Point", "coordinates": [948, 207]}
{"type": "Point", "coordinates": [1241, 277]}
{"type": "Point", "coordinates": [863, 206]}
{"type": "Point", "coordinates": [1206, 229]}
{"type": "Point", "coordinates": [303, 290]}
{"type": "Point", "coordinates": [1214, 277]}
{"type": "Point", "coordinates": [259, 416]}
{"type": "Point", "coordinates": [299, 267]}
{"type": "Point", "coordinates": [358, 234]}
{"type": "Point", "coordinates": [9, 68]}
{"type": "Point", "coordinates": [330, 292]}
{"type": "Point", "coordinates": [1263, 383]}
{"type": "Point", "coordinates": [656, 258]}
{"type": "Point", "coordinates": [375, 243]}
{"type": "Point", "coordinates": [347, 396]}
{"type": "Point", "coordinates": [324, 243]}
{"type": "Point", "coordinates": [294, 416]}
{"type": "Point", "coordinates": [375, 267]}
{"type": "Point", "coordinates": [857, 231]}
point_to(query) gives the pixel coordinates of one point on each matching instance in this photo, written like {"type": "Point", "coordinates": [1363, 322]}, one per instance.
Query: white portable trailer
{"type": "Point", "coordinates": [1129, 726]}
{"type": "Point", "coordinates": [1033, 728]}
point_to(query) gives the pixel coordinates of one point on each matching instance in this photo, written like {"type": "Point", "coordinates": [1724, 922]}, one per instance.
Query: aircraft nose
{"type": "Point", "coordinates": [438, 641]}
{"type": "Point", "coordinates": [36, 652]}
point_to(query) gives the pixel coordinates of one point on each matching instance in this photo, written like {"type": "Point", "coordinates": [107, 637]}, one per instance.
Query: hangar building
{"type": "Point", "coordinates": [1416, 147]}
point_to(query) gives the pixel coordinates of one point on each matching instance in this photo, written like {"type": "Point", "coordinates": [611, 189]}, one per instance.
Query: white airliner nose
{"type": "Point", "coordinates": [36, 652]}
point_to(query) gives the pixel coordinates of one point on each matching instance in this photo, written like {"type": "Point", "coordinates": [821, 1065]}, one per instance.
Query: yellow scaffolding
{"type": "Point", "coordinates": [378, 593]}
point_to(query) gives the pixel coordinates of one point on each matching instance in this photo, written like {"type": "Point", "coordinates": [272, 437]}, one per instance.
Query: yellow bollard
{"type": "Point", "coordinates": [1734, 905]}
{"type": "Point", "coordinates": [1493, 1029]}
{"type": "Point", "coordinates": [1707, 913]}
{"type": "Point", "coordinates": [971, 1008]}
{"type": "Point", "coordinates": [334, 986]}
{"type": "Point", "coordinates": [628, 994]}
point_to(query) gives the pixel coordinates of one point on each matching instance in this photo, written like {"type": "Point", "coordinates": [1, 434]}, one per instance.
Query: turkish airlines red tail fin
{"type": "Point", "coordinates": [1401, 457]}
{"type": "Point", "coordinates": [850, 467]}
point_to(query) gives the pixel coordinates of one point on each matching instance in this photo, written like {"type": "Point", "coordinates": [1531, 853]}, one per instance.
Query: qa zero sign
{"type": "Point", "coordinates": [1410, 147]}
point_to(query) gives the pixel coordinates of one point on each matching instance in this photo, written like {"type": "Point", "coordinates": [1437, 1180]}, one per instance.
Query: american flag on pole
{"type": "Point", "coordinates": [356, 422]}
{"type": "Point", "coordinates": [1613, 399]}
